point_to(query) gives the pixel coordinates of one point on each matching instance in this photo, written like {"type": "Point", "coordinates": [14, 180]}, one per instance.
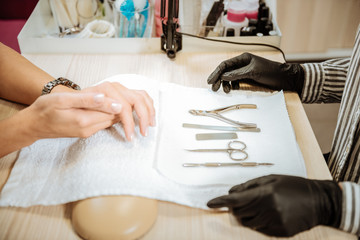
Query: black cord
{"type": "Point", "coordinates": [238, 43]}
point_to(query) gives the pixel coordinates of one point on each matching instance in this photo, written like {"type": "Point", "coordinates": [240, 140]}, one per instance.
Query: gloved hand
{"type": "Point", "coordinates": [280, 205]}
{"type": "Point", "coordinates": [272, 74]}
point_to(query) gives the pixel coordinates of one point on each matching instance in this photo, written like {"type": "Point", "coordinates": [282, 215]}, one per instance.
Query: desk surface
{"type": "Point", "coordinates": [174, 221]}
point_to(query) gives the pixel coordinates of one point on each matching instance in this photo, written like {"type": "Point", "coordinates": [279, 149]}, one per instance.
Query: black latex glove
{"type": "Point", "coordinates": [271, 74]}
{"type": "Point", "coordinates": [280, 205]}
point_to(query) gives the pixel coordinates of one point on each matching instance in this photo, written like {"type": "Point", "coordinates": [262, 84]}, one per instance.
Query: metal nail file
{"type": "Point", "coordinates": [221, 128]}
{"type": "Point", "coordinates": [214, 136]}
{"type": "Point", "coordinates": [218, 164]}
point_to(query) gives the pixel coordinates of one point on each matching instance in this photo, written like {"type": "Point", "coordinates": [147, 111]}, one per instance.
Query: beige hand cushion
{"type": "Point", "coordinates": [113, 217]}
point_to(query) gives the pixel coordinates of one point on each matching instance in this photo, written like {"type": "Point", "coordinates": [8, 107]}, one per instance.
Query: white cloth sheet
{"type": "Point", "coordinates": [57, 171]}
{"type": "Point", "coordinates": [275, 143]}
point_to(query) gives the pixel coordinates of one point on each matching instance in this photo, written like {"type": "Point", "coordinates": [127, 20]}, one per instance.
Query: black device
{"type": "Point", "coordinates": [171, 41]}
{"type": "Point", "coordinates": [214, 14]}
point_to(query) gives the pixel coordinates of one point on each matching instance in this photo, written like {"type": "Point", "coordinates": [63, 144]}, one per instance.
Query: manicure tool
{"type": "Point", "coordinates": [235, 150]}
{"type": "Point", "coordinates": [214, 136]}
{"type": "Point", "coordinates": [216, 114]}
{"type": "Point", "coordinates": [218, 164]}
{"type": "Point", "coordinates": [221, 128]}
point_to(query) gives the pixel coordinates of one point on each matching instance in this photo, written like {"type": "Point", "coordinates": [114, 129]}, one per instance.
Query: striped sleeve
{"type": "Point", "coordinates": [350, 217]}
{"type": "Point", "coordinates": [324, 82]}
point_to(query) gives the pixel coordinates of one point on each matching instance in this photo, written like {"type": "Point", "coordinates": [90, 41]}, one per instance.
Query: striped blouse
{"type": "Point", "coordinates": [338, 80]}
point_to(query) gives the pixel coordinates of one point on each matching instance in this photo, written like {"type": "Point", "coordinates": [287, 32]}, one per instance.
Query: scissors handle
{"type": "Point", "coordinates": [236, 150]}
{"type": "Point", "coordinates": [230, 121]}
{"type": "Point", "coordinates": [237, 155]}
{"type": "Point", "coordinates": [222, 118]}
{"type": "Point", "coordinates": [233, 107]}
{"type": "Point", "coordinates": [236, 144]}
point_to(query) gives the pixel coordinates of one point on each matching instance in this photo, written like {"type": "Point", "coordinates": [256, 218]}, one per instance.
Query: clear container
{"type": "Point", "coordinates": [71, 16]}
{"type": "Point", "coordinates": [235, 19]}
{"type": "Point", "coordinates": [130, 24]}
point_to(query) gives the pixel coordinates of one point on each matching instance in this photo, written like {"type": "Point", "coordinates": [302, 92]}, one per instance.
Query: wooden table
{"type": "Point", "coordinates": [174, 221]}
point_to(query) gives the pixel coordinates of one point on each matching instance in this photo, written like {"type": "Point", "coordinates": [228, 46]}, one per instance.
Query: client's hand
{"type": "Point", "coordinates": [76, 114]}
{"type": "Point", "coordinates": [130, 100]}
{"type": "Point", "coordinates": [280, 205]}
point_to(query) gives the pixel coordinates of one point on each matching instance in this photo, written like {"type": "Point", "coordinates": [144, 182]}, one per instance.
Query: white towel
{"type": "Point", "coordinates": [57, 171]}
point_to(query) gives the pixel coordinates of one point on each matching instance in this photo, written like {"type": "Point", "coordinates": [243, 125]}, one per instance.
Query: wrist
{"type": "Point", "coordinates": [61, 89]}
{"type": "Point", "coordinates": [293, 76]}
{"type": "Point", "coordinates": [16, 133]}
{"type": "Point", "coordinates": [28, 127]}
{"type": "Point", "coordinates": [332, 203]}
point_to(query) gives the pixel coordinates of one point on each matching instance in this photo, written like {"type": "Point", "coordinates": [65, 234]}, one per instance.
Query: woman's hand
{"type": "Point", "coordinates": [77, 114]}
{"type": "Point", "coordinates": [130, 100]}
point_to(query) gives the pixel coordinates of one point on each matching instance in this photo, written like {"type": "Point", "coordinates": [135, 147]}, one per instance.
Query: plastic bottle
{"type": "Point", "coordinates": [235, 18]}
{"type": "Point", "coordinates": [252, 9]}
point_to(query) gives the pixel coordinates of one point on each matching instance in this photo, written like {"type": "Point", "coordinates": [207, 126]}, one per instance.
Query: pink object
{"type": "Point", "coordinates": [10, 29]}
{"type": "Point", "coordinates": [236, 12]}
{"type": "Point", "coordinates": [252, 15]}
{"type": "Point", "coordinates": [252, 8]}
{"type": "Point", "coordinates": [158, 23]}
{"type": "Point", "coordinates": [13, 15]}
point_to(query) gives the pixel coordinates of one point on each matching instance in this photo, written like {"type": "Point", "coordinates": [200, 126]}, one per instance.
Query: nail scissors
{"type": "Point", "coordinates": [235, 149]}
{"type": "Point", "coordinates": [216, 114]}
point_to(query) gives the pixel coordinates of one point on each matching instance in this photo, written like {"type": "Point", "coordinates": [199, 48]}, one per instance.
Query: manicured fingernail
{"type": "Point", "coordinates": [153, 121]}
{"type": "Point", "coordinates": [146, 132]}
{"type": "Point", "coordinates": [99, 98]}
{"type": "Point", "coordinates": [116, 107]}
{"type": "Point", "coordinates": [131, 137]}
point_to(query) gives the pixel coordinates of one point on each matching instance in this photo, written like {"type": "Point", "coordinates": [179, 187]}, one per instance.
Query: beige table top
{"type": "Point", "coordinates": [174, 221]}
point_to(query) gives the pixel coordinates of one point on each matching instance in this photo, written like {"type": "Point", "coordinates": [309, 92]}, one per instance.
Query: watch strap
{"type": "Point", "coordinates": [60, 81]}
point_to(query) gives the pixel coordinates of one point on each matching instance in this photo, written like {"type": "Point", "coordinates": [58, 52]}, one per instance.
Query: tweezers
{"type": "Point", "coordinates": [218, 164]}
{"type": "Point", "coordinates": [216, 114]}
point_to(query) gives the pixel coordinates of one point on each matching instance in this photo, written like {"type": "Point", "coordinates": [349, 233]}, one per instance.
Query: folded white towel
{"type": "Point", "coordinates": [57, 171]}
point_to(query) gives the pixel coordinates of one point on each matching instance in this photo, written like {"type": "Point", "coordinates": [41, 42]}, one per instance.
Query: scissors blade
{"type": "Point", "coordinates": [207, 150]}
{"type": "Point", "coordinates": [218, 164]}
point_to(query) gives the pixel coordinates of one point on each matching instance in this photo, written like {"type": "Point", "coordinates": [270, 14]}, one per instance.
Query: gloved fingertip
{"type": "Point", "coordinates": [226, 87]}
{"type": "Point", "coordinates": [216, 203]}
{"type": "Point", "coordinates": [216, 86]}
{"type": "Point", "coordinates": [210, 80]}
{"type": "Point", "coordinates": [213, 77]}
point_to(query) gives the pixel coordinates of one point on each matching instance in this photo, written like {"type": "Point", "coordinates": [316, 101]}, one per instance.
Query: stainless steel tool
{"type": "Point", "coordinates": [235, 149]}
{"type": "Point", "coordinates": [221, 128]}
{"type": "Point", "coordinates": [218, 164]}
{"type": "Point", "coordinates": [215, 136]}
{"type": "Point", "coordinates": [216, 114]}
